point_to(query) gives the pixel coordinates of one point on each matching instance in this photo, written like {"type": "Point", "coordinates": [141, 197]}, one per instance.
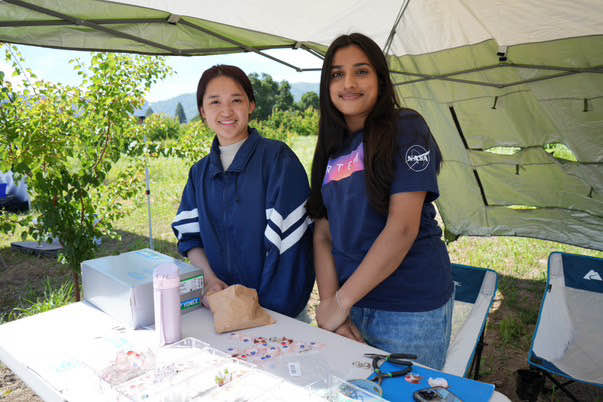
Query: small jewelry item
{"type": "Point", "coordinates": [413, 378]}
{"type": "Point", "coordinates": [223, 377]}
{"type": "Point", "coordinates": [437, 382]}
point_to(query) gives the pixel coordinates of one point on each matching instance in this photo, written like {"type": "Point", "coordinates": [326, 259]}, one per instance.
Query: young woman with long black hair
{"type": "Point", "coordinates": [383, 272]}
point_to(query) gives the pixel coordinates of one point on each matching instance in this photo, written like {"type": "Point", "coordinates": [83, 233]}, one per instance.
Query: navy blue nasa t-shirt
{"type": "Point", "coordinates": [423, 281]}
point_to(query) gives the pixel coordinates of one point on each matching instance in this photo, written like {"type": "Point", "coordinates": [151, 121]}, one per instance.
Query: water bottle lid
{"type": "Point", "coordinates": [166, 276]}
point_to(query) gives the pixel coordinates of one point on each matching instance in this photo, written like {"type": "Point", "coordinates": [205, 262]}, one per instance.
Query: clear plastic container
{"type": "Point", "coordinates": [191, 370]}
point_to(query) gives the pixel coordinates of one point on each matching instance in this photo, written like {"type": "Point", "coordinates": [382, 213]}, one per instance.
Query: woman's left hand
{"type": "Point", "coordinates": [331, 314]}
{"type": "Point", "coordinates": [349, 330]}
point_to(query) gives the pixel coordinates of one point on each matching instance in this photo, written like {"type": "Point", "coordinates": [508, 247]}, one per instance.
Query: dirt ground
{"type": "Point", "coordinates": [13, 389]}
{"type": "Point", "coordinates": [498, 364]}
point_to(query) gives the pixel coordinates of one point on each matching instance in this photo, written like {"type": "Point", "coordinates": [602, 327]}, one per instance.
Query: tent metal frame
{"type": "Point", "coordinates": [100, 25]}
{"type": "Point", "coordinates": [562, 72]}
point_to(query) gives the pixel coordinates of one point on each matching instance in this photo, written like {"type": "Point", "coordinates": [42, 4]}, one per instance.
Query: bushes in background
{"type": "Point", "coordinates": [192, 141]}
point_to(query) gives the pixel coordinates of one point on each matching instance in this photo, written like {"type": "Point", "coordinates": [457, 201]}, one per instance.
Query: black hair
{"type": "Point", "coordinates": [232, 72]}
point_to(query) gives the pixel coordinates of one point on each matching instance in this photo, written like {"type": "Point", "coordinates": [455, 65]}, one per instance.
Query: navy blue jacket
{"type": "Point", "coordinates": [251, 221]}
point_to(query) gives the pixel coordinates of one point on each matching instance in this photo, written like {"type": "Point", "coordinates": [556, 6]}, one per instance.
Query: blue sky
{"type": "Point", "coordinates": [53, 65]}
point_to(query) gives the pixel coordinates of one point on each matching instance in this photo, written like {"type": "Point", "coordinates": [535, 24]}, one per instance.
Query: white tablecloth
{"type": "Point", "coordinates": [41, 349]}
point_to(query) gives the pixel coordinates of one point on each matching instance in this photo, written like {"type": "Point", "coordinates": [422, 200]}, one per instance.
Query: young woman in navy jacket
{"type": "Point", "coordinates": [242, 218]}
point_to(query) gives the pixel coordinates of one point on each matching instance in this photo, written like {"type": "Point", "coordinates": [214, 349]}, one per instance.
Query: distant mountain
{"type": "Point", "coordinates": [298, 89]}
{"type": "Point", "coordinates": [168, 106]}
{"type": "Point", "coordinates": [189, 101]}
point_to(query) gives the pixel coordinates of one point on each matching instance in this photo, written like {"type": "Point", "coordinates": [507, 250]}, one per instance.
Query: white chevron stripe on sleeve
{"type": "Point", "coordinates": [273, 215]}
{"type": "Point", "coordinates": [295, 236]}
{"type": "Point", "coordinates": [289, 241]}
{"type": "Point", "coordinates": [272, 236]}
{"type": "Point", "coordinates": [284, 224]}
{"type": "Point", "coordinates": [187, 228]}
{"type": "Point", "coordinates": [193, 213]}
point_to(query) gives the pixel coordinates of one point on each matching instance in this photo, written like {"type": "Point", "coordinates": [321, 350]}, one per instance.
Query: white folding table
{"type": "Point", "coordinates": [33, 346]}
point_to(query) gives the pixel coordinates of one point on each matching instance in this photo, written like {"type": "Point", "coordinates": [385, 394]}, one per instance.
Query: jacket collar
{"type": "Point", "coordinates": [241, 158]}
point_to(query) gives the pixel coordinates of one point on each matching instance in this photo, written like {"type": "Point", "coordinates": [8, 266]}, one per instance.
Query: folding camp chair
{"type": "Point", "coordinates": [475, 291]}
{"type": "Point", "coordinates": [568, 341]}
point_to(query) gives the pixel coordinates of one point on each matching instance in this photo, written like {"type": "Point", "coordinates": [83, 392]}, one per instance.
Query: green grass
{"type": "Point", "coordinates": [511, 330]}
{"type": "Point", "coordinates": [33, 301]}
{"type": "Point", "coordinates": [304, 148]}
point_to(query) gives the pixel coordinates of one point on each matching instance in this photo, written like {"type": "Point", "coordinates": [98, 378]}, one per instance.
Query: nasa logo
{"type": "Point", "coordinates": [417, 158]}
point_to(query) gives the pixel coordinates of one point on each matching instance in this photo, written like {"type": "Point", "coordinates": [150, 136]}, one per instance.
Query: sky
{"type": "Point", "coordinates": [53, 65]}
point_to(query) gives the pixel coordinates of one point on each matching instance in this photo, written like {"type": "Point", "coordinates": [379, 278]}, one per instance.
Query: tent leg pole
{"type": "Point", "coordinates": [478, 356]}
{"type": "Point", "coordinates": [148, 178]}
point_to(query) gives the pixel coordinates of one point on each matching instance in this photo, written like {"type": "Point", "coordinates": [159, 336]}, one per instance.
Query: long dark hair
{"type": "Point", "coordinates": [379, 129]}
{"type": "Point", "coordinates": [233, 72]}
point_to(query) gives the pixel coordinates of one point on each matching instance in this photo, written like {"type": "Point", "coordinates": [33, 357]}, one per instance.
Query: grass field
{"type": "Point", "coordinates": [30, 284]}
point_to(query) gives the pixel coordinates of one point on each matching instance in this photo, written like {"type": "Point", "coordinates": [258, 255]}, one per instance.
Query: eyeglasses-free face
{"type": "Point", "coordinates": [226, 109]}
{"type": "Point", "coordinates": [353, 86]}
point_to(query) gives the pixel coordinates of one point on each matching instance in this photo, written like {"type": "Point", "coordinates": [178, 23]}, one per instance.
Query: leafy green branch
{"type": "Point", "coordinates": [66, 140]}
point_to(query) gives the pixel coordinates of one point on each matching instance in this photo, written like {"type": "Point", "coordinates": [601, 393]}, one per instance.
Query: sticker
{"type": "Point", "coordinates": [417, 158]}
{"type": "Point", "coordinates": [294, 369]}
{"type": "Point", "coordinates": [413, 378]}
{"type": "Point", "coordinates": [190, 303]}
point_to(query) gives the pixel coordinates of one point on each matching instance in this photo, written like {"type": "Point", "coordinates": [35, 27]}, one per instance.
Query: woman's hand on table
{"type": "Point", "coordinates": [212, 285]}
{"type": "Point", "coordinates": [349, 330]}
{"type": "Point", "coordinates": [331, 314]}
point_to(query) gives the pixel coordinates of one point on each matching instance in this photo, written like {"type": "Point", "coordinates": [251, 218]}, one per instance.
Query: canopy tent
{"type": "Point", "coordinates": [516, 74]}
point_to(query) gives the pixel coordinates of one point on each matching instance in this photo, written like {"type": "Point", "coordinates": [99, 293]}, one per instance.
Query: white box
{"type": "Point", "coordinates": [122, 285]}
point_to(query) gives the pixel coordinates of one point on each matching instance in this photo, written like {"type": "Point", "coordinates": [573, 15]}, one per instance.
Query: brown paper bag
{"type": "Point", "coordinates": [237, 307]}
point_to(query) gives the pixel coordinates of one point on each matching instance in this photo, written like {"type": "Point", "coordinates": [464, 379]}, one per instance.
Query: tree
{"type": "Point", "coordinates": [265, 90]}
{"type": "Point", "coordinates": [149, 112]}
{"type": "Point", "coordinates": [270, 95]}
{"type": "Point", "coordinates": [309, 99]}
{"type": "Point", "coordinates": [284, 99]}
{"type": "Point", "coordinates": [180, 113]}
{"type": "Point", "coordinates": [66, 140]}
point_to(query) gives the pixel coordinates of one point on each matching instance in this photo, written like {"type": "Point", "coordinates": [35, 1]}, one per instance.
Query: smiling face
{"type": "Point", "coordinates": [353, 86]}
{"type": "Point", "coordinates": [226, 109]}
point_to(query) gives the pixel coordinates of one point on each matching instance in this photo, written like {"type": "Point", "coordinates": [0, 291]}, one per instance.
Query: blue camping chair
{"type": "Point", "coordinates": [568, 340]}
{"type": "Point", "coordinates": [475, 291]}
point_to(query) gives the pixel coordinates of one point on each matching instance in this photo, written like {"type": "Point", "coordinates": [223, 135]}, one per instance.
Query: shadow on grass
{"type": "Point", "coordinates": [511, 326]}
{"type": "Point", "coordinates": [132, 241]}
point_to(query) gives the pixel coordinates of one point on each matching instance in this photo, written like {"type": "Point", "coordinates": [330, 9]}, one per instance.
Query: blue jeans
{"type": "Point", "coordinates": [425, 334]}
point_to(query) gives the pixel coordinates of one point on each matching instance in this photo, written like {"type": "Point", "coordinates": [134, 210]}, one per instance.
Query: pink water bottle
{"type": "Point", "coordinates": [166, 295]}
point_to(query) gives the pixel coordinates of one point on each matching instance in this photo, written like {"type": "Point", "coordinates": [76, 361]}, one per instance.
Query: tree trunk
{"type": "Point", "coordinates": [76, 285]}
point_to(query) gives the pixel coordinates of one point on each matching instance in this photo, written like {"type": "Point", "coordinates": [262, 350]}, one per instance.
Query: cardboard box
{"type": "Point", "coordinates": [122, 285]}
